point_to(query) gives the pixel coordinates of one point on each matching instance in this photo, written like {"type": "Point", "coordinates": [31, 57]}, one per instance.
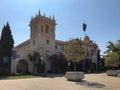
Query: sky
{"type": "Point", "coordinates": [101, 16]}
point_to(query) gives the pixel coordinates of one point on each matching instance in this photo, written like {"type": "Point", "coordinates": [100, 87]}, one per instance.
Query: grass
{"type": "Point", "coordinates": [20, 76]}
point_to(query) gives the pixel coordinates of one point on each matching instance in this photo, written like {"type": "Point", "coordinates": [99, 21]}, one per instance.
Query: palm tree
{"type": "Point", "coordinates": [110, 47]}
{"type": "Point", "coordinates": [113, 49]}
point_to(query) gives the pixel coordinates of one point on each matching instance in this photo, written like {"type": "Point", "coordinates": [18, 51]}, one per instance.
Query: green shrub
{"type": "Point", "coordinates": [112, 59]}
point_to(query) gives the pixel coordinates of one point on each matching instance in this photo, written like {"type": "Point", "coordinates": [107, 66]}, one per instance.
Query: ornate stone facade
{"type": "Point", "coordinates": [42, 40]}
{"type": "Point", "coordinates": [90, 51]}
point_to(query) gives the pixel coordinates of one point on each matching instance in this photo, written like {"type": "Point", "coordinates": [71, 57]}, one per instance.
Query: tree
{"type": "Point", "coordinates": [0, 48]}
{"type": "Point", "coordinates": [117, 44]}
{"type": "Point", "coordinates": [98, 59]}
{"type": "Point", "coordinates": [7, 43]}
{"type": "Point", "coordinates": [111, 47]}
{"type": "Point", "coordinates": [73, 51]}
{"type": "Point", "coordinates": [2, 43]}
{"type": "Point", "coordinates": [113, 53]}
{"type": "Point", "coordinates": [103, 63]}
{"type": "Point", "coordinates": [0, 55]}
{"type": "Point", "coordinates": [58, 63]}
{"type": "Point", "coordinates": [112, 59]}
{"type": "Point", "coordinates": [34, 58]}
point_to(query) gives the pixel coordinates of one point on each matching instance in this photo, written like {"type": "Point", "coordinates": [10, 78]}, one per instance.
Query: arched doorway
{"type": "Point", "coordinates": [22, 66]}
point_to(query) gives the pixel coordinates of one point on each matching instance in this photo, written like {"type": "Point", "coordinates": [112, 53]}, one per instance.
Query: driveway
{"type": "Point", "coordinates": [58, 82]}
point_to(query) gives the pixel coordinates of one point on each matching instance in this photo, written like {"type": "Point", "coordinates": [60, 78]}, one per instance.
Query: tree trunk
{"type": "Point", "coordinates": [9, 66]}
{"type": "Point", "coordinates": [84, 65]}
{"type": "Point", "coordinates": [33, 68]}
{"type": "Point", "coordinates": [75, 66]}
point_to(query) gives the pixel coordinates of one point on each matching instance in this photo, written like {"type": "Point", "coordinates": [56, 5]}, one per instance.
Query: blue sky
{"type": "Point", "coordinates": [102, 17]}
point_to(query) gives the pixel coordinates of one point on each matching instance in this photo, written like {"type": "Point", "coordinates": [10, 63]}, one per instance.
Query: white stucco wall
{"type": "Point", "coordinates": [23, 55]}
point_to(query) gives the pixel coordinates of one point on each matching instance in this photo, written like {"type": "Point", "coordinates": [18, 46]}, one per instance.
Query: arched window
{"type": "Point", "coordinates": [34, 27]}
{"type": "Point", "coordinates": [41, 28]}
{"type": "Point", "coordinates": [47, 28]}
{"type": "Point", "coordinates": [55, 46]}
{"type": "Point", "coordinates": [87, 54]}
{"type": "Point", "coordinates": [92, 52]}
{"type": "Point", "coordinates": [52, 30]}
{"type": "Point", "coordinates": [47, 41]}
{"type": "Point", "coordinates": [33, 42]}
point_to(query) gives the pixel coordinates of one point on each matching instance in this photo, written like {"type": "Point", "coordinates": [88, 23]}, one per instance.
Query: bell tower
{"type": "Point", "coordinates": [42, 25]}
{"type": "Point", "coordinates": [42, 33]}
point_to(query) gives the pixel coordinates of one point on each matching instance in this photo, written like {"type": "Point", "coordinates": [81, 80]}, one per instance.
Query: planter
{"type": "Point", "coordinates": [111, 72]}
{"type": "Point", "coordinates": [118, 73]}
{"type": "Point", "coordinates": [74, 76]}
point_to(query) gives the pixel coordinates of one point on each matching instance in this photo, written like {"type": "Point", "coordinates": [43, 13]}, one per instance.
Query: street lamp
{"type": "Point", "coordinates": [69, 63]}
{"type": "Point", "coordinates": [42, 59]}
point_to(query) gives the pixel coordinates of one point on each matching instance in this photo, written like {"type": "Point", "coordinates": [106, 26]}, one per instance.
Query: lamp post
{"type": "Point", "coordinates": [42, 65]}
{"type": "Point", "coordinates": [42, 59]}
{"type": "Point", "coordinates": [69, 63]}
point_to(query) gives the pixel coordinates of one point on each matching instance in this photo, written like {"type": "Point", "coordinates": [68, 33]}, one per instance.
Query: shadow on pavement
{"type": "Point", "coordinates": [54, 75]}
{"type": "Point", "coordinates": [3, 77]}
{"type": "Point", "coordinates": [90, 84]}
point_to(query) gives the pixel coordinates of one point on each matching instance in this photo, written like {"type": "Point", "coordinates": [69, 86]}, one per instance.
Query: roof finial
{"type": "Point", "coordinates": [36, 15]}
{"type": "Point", "coordinates": [50, 17]}
{"type": "Point", "coordinates": [53, 17]}
{"type": "Point", "coordinates": [44, 14]}
{"type": "Point", "coordinates": [32, 17]}
{"type": "Point", "coordinates": [39, 12]}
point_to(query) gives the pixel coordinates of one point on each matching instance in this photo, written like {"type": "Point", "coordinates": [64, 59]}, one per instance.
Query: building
{"type": "Point", "coordinates": [90, 56]}
{"type": "Point", "coordinates": [42, 40]}
{"type": "Point", "coordinates": [90, 52]}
